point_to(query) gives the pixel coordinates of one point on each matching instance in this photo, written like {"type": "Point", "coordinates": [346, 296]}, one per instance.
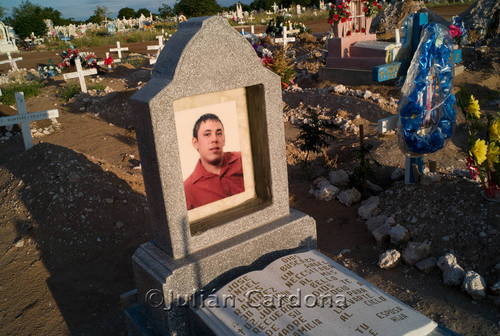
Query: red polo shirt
{"type": "Point", "coordinates": [203, 187]}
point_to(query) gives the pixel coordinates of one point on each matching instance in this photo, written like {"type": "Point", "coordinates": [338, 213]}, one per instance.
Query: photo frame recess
{"type": "Point", "coordinates": [252, 135]}
{"type": "Point", "coordinates": [231, 108]}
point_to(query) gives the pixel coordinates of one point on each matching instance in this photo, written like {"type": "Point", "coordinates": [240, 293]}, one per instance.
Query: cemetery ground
{"type": "Point", "coordinates": [73, 208]}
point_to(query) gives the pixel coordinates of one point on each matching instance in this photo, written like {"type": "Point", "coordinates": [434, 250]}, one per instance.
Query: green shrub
{"type": "Point", "coordinates": [30, 88]}
{"type": "Point", "coordinates": [69, 91]}
{"type": "Point", "coordinates": [97, 86]}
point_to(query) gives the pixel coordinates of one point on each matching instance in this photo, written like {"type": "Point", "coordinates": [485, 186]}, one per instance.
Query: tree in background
{"type": "Point", "coordinates": [195, 8]}
{"type": "Point", "coordinates": [166, 11]}
{"type": "Point", "coordinates": [2, 11]}
{"type": "Point", "coordinates": [27, 19]}
{"type": "Point", "coordinates": [100, 14]}
{"type": "Point", "coordinates": [126, 12]}
{"type": "Point", "coordinates": [143, 11]}
{"type": "Point", "coordinates": [55, 16]}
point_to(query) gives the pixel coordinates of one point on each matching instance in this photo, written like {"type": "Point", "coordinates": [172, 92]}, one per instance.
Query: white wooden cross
{"type": "Point", "coordinates": [102, 62]}
{"type": "Point", "coordinates": [119, 49]}
{"type": "Point", "coordinates": [80, 74]}
{"type": "Point", "coordinates": [285, 38]}
{"type": "Point", "coordinates": [158, 47]}
{"type": "Point", "coordinates": [24, 119]}
{"type": "Point", "coordinates": [12, 61]}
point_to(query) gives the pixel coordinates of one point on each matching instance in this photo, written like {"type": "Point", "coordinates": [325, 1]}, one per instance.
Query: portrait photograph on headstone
{"type": "Point", "coordinates": [240, 167]}
{"type": "Point", "coordinates": [215, 152]}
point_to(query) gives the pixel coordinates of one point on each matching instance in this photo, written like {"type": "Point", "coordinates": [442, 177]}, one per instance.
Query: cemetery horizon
{"type": "Point", "coordinates": [85, 8]}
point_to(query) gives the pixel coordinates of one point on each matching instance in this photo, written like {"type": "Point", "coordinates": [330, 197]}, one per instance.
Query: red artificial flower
{"type": "Point", "coordinates": [343, 19]}
{"type": "Point", "coordinates": [379, 6]}
{"type": "Point", "coordinates": [108, 61]}
{"type": "Point", "coordinates": [336, 17]}
{"type": "Point", "coordinates": [375, 3]}
{"type": "Point", "coordinates": [365, 9]}
{"type": "Point", "coordinates": [363, 30]}
{"type": "Point", "coordinates": [333, 6]}
{"type": "Point", "coordinates": [349, 33]}
{"type": "Point", "coordinates": [330, 21]}
{"type": "Point", "coordinates": [340, 6]}
{"type": "Point", "coordinates": [349, 19]}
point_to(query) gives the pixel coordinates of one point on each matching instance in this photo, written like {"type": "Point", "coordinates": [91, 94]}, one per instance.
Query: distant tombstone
{"type": "Point", "coordinates": [275, 8]}
{"type": "Point", "coordinates": [7, 45]}
{"type": "Point", "coordinates": [200, 249]}
{"type": "Point", "coordinates": [322, 5]}
{"type": "Point", "coordinates": [72, 30]}
{"type": "Point", "coordinates": [299, 10]}
{"type": "Point", "coordinates": [142, 21]}
{"type": "Point", "coordinates": [24, 118]}
{"type": "Point", "coordinates": [239, 11]}
{"type": "Point", "coordinates": [111, 28]}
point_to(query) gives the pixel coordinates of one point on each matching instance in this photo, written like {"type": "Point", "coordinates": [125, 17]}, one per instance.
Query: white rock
{"type": "Point", "coordinates": [399, 235]}
{"type": "Point", "coordinates": [397, 174]}
{"type": "Point", "coordinates": [109, 200]}
{"type": "Point", "coordinates": [453, 274]}
{"type": "Point", "coordinates": [8, 134]}
{"type": "Point", "coordinates": [474, 285]}
{"type": "Point", "coordinates": [374, 222]}
{"type": "Point", "coordinates": [369, 207]}
{"type": "Point", "coordinates": [427, 265]}
{"type": "Point", "coordinates": [339, 178]}
{"type": "Point", "coordinates": [389, 259]}
{"type": "Point", "coordinates": [430, 178]}
{"type": "Point", "coordinates": [381, 234]}
{"type": "Point", "coordinates": [20, 243]}
{"type": "Point", "coordinates": [416, 251]}
{"type": "Point", "coordinates": [349, 196]}
{"type": "Point", "coordinates": [326, 193]}
{"type": "Point", "coordinates": [373, 187]}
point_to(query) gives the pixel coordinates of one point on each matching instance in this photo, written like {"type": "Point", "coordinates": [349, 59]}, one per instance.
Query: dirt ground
{"type": "Point", "coordinates": [73, 208]}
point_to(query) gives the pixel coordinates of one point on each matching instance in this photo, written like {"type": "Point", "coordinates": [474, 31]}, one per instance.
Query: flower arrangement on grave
{"type": "Point", "coordinates": [88, 59]}
{"type": "Point", "coordinates": [49, 70]}
{"type": "Point", "coordinates": [68, 57]}
{"type": "Point", "coordinates": [339, 13]}
{"type": "Point", "coordinates": [275, 26]}
{"type": "Point", "coordinates": [483, 161]}
{"type": "Point", "coordinates": [371, 8]}
{"type": "Point", "coordinates": [278, 62]}
{"type": "Point", "coordinates": [297, 25]}
{"type": "Point", "coordinates": [458, 30]}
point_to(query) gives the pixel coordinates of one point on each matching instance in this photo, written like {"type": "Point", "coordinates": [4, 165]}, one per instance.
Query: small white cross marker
{"type": "Point", "coordinates": [24, 119]}
{"type": "Point", "coordinates": [80, 74]}
{"type": "Point", "coordinates": [285, 38]}
{"type": "Point", "coordinates": [12, 61]}
{"type": "Point", "coordinates": [158, 47]}
{"type": "Point", "coordinates": [119, 49]}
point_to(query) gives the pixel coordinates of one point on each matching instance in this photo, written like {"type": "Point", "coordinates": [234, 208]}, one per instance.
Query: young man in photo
{"type": "Point", "coordinates": [217, 174]}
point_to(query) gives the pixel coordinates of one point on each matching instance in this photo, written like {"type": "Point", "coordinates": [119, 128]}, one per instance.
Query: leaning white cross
{"type": "Point", "coordinates": [158, 47]}
{"type": "Point", "coordinates": [285, 38]}
{"type": "Point", "coordinates": [119, 49]}
{"type": "Point", "coordinates": [24, 119]}
{"type": "Point", "coordinates": [80, 74]}
{"type": "Point", "coordinates": [12, 61]}
{"type": "Point", "coordinates": [102, 62]}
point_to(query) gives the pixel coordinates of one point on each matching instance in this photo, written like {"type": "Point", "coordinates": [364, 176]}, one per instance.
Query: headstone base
{"type": "Point", "coordinates": [161, 280]}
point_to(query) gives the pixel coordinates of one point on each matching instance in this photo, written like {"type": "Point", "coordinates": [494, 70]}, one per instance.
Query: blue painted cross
{"type": "Point", "coordinates": [66, 39]}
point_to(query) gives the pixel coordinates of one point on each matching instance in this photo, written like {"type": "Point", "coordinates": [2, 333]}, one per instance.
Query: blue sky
{"type": "Point", "coordinates": [83, 9]}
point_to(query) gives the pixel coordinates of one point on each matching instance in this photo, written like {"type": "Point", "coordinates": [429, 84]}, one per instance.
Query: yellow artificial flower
{"type": "Point", "coordinates": [495, 130]}
{"type": "Point", "coordinates": [493, 153]}
{"type": "Point", "coordinates": [473, 108]}
{"type": "Point", "coordinates": [479, 151]}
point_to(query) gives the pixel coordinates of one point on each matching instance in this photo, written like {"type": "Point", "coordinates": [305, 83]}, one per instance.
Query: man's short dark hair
{"type": "Point", "coordinates": [203, 118]}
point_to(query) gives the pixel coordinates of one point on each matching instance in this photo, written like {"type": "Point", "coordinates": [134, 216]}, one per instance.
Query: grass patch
{"type": "Point", "coordinates": [69, 91]}
{"type": "Point", "coordinates": [30, 88]}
